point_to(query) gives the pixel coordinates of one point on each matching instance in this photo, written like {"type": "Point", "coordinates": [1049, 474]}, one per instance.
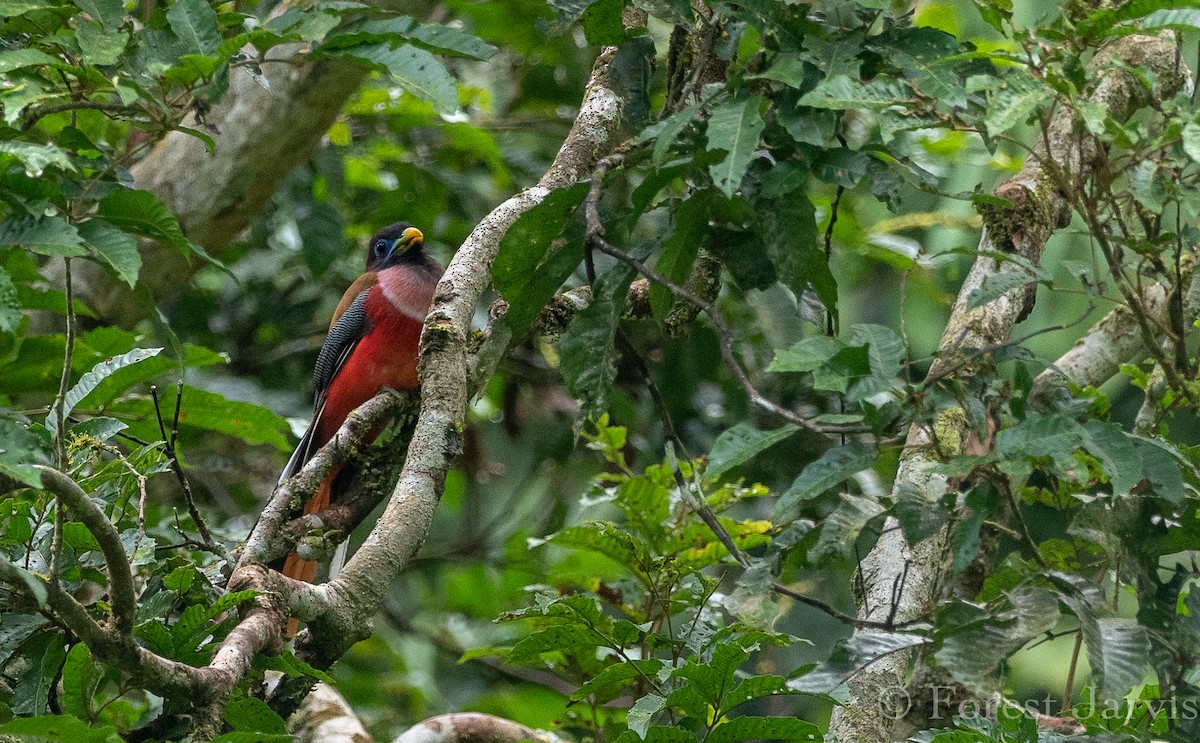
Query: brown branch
{"type": "Point", "coordinates": [473, 727]}
{"type": "Point", "coordinates": [120, 576]}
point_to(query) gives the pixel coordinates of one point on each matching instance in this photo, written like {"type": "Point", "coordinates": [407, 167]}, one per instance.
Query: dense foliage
{"type": "Point", "coordinates": [667, 485]}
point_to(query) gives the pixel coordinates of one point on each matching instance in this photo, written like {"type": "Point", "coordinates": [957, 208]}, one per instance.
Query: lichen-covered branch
{"type": "Point", "coordinates": [472, 727]}
{"type": "Point", "coordinates": [1036, 208]}
{"type": "Point", "coordinates": [326, 717]}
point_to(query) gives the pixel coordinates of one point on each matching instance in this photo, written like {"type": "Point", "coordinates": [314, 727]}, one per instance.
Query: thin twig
{"type": "Point", "coordinates": [206, 539]}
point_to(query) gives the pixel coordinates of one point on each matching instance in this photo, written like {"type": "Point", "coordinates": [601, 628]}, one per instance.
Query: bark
{"type": "Point", "coordinates": [1059, 162]}
{"type": "Point", "coordinates": [473, 727]}
{"type": "Point", "coordinates": [326, 717]}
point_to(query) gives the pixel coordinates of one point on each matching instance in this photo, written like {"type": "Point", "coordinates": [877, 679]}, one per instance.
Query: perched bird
{"type": "Point", "coordinates": [372, 343]}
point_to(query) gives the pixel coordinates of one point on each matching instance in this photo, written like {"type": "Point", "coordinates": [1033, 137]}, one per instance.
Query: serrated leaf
{"type": "Point", "coordinates": [1013, 100]}
{"type": "Point", "coordinates": [588, 348]}
{"type": "Point", "coordinates": [114, 247]}
{"type": "Point", "coordinates": [79, 680]}
{"type": "Point", "coordinates": [142, 213]}
{"type": "Point", "coordinates": [841, 528]}
{"type": "Point", "coordinates": [738, 444]}
{"type": "Point", "coordinates": [92, 379]}
{"type": "Point", "coordinates": [195, 23]}
{"type": "Point", "coordinates": [735, 128]}
{"type": "Point", "coordinates": [764, 728]}
{"type": "Point", "coordinates": [46, 236]}
{"type": "Point", "coordinates": [840, 92]}
{"type": "Point", "coordinates": [109, 13]}
{"type": "Point", "coordinates": [249, 714]}
{"type": "Point", "coordinates": [831, 469]}
{"type": "Point", "coordinates": [415, 70]}
{"type": "Point", "coordinates": [1191, 140]}
{"type": "Point", "coordinates": [447, 40]}
{"type": "Point", "coordinates": [100, 46]}
{"type": "Point", "coordinates": [525, 272]}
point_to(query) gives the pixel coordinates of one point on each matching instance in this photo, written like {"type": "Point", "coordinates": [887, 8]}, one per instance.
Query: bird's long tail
{"type": "Point", "coordinates": [300, 569]}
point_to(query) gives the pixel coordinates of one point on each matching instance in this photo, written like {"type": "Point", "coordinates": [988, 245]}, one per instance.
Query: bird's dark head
{"type": "Point", "coordinates": [394, 244]}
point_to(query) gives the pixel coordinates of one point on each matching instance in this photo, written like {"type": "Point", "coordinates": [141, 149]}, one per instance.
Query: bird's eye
{"type": "Point", "coordinates": [381, 248]}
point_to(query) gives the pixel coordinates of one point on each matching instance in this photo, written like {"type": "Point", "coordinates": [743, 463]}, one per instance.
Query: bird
{"type": "Point", "coordinates": [372, 343]}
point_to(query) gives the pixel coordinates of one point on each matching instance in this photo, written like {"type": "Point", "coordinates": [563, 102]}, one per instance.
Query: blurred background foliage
{"type": "Point", "coordinates": [250, 327]}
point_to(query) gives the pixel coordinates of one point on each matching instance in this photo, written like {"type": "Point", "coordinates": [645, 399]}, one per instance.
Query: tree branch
{"type": "Point", "coordinates": [120, 576]}
{"type": "Point", "coordinates": [473, 727]}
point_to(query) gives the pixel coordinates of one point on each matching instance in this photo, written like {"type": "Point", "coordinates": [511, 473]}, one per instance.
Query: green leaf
{"type": "Point", "coordinates": [100, 46]}
{"type": "Point", "coordinates": [1191, 140]}
{"type": "Point", "coordinates": [142, 213]}
{"type": "Point", "coordinates": [831, 469]}
{"type": "Point", "coordinates": [114, 247]}
{"type": "Point", "coordinates": [921, 52]}
{"type": "Point", "coordinates": [46, 236]}
{"type": "Point", "coordinates": [209, 411]}
{"type": "Point", "coordinates": [415, 70]}
{"type": "Point", "coordinates": [15, 59]}
{"type": "Point", "coordinates": [37, 157]}
{"type": "Point", "coordinates": [447, 40]}
{"type": "Point", "coordinates": [806, 355]}
{"type": "Point", "coordinates": [525, 272]}
{"type": "Point", "coordinates": [195, 23]}
{"type": "Point", "coordinates": [10, 304]}
{"type": "Point", "coordinates": [62, 728]}
{"type": "Point", "coordinates": [764, 728]}
{"type": "Point", "coordinates": [21, 450]}
{"type": "Point", "coordinates": [249, 714]}
{"type": "Point", "coordinates": [588, 348]}
{"type": "Point", "coordinates": [790, 232]}
{"type": "Point", "coordinates": [1012, 100]}
{"type": "Point", "coordinates": [839, 93]}
{"type": "Point", "coordinates": [109, 13]}
{"type": "Point", "coordinates": [1180, 19]}
{"type": "Point", "coordinates": [665, 132]}
{"type": "Point", "coordinates": [737, 445]}
{"type": "Point", "coordinates": [735, 128]}
{"type": "Point", "coordinates": [679, 251]}
{"type": "Point", "coordinates": [31, 695]}
{"type": "Point", "coordinates": [79, 680]}
{"type": "Point", "coordinates": [842, 527]}
{"type": "Point", "coordinates": [14, 8]}
{"type": "Point", "coordinates": [614, 680]}
{"type": "Point", "coordinates": [642, 711]}
{"type": "Point", "coordinates": [92, 379]}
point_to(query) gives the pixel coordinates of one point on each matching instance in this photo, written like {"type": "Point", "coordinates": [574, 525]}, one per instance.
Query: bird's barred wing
{"type": "Point", "coordinates": [345, 333]}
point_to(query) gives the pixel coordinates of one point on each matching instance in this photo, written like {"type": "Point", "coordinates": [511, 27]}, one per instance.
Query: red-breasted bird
{"type": "Point", "coordinates": [372, 343]}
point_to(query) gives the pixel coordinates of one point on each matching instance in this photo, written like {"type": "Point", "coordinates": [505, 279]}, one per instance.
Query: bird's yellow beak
{"type": "Point", "coordinates": [410, 237]}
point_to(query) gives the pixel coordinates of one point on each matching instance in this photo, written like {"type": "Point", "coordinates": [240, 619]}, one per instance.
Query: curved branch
{"type": "Point", "coordinates": [472, 727]}
{"type": "Point", "coordinates": [120, 575]}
